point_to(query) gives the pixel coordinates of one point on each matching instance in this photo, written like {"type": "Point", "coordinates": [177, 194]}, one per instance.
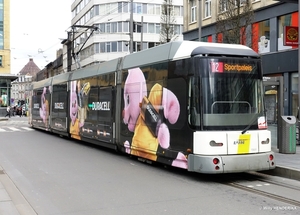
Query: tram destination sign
{"type": "Point", "coordinates": [224, 67]}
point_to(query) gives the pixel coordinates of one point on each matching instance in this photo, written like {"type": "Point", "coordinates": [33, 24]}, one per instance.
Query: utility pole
{"type": "Point", "coordinates": [131, 27]}
{"type": "Point", "coordinates": [200, 20]}
{"type": "Point", "coordinates": [75, 55]}
{"type": "Point", "coordinates": [142, 29]}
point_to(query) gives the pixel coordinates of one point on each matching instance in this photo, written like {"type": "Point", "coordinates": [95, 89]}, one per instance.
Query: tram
{"type": "Point", "coordinates": [192, 105]}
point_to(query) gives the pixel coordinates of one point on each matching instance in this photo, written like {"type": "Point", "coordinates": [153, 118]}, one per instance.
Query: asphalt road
{"type": "Point", "coordinates": [58, 176]}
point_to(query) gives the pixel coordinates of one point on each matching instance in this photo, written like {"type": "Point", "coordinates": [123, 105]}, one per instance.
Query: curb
{"type": "Point", "coordinates": [285, 172]}
{"type": "Point", "coordinates": [14, 202]}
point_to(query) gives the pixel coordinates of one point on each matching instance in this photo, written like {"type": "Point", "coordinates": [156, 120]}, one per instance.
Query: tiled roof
{"type": "Point", "coordinates": [30, 68]}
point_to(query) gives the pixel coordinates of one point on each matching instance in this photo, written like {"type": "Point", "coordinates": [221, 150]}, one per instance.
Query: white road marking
{"type": "Point", "coordinates": [27, 128]}
{"type": "Point", "coordinates": [14, 129]}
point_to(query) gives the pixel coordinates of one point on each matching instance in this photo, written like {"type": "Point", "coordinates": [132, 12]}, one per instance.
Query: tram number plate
{"type": "Point", "coordinates": [243, 143]}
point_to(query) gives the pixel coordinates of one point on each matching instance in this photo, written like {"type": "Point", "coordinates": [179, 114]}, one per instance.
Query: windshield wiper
{"type": "Point", "coordinates": [248, 126]}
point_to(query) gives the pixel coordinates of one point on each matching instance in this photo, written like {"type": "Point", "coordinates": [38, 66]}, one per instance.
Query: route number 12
{"type": "Point", "coordinates": [216, 66]}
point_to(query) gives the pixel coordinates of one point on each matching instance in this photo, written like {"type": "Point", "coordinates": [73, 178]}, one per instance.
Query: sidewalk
{"type": "Point", "coordinates": [287, 165]}
{"type": "Point", "coordinates": [12, 201]}
{"type": "Point", "coordinates": [13, 118]}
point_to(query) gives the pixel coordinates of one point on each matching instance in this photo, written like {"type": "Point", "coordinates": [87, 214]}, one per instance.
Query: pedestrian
{"type": "Point", "coordinates": [20, 111]}
{"type": "Point", "coordinates": [7, 111]}
{"type": "Point", "coordinates": [14, 110]}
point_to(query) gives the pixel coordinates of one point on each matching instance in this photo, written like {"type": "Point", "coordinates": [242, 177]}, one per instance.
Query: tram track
{"type": "Point", "coordinates": [262, 177]}
{"type": "Point", "coordinates": [279, 194]}
{"type": "Point", "coordinates": [266, 194]}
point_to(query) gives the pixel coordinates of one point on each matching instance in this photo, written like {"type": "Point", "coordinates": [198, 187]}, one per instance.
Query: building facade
{"type": "Point", "coordinates": [279, 60]}
{"type": "Point", "coordinates": [5, 74]}
{"type": "Point", "coordinates": [112, 37]}
{"type": "Point", "coordinates": [20, 88]}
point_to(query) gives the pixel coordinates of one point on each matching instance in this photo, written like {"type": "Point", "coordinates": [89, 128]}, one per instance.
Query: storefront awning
{"type": "Point", "coordinates": [8, 76]}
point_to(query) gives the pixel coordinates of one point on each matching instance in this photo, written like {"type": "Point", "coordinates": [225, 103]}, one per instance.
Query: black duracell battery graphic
{"type": "Point", "coordinates": [150, 116]}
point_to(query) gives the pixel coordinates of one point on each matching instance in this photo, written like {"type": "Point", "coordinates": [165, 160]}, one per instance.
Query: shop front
{"type": "Point", "coordinates": [5, 89]}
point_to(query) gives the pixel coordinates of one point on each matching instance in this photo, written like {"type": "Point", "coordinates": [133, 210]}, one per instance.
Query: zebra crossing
{"type": "Point", "coordinates": [15, 129]}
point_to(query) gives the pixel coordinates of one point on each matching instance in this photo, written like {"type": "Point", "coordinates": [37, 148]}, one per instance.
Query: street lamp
{"type": "Point", "coordinates": [131, 27]}
{"type": "Point", "coordinates": [200, 20]}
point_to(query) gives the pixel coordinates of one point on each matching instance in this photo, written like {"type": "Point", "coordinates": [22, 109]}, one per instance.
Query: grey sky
{"type": "Point", "coordinates": [35, 30]}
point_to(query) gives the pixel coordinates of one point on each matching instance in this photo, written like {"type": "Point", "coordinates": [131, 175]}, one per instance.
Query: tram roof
{"type": "Point", "coordinates": [61, 78]}
{"type": "Point", "coordinates": [184, 49]}
{"type": "Point", "coordinates": [94, 70]}
{"type": "Point", "coordinates": [43, 83]}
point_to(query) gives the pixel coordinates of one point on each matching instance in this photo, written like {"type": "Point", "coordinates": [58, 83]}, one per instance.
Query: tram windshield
{"type": "Point", "coordinates": [227, 96]}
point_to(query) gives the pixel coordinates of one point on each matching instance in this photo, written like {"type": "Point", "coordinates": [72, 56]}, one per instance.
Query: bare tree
{"type": "Point", "coordinates": [234, 21]}
{"type": "Point", "coordinates": [167, 21]}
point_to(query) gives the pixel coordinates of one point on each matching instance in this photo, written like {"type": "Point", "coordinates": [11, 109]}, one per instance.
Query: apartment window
{"type": "Point", "coordinates": [125, 7]}
{"type": "Point", "coordinates": [151, 28]}
{"type": "Point", "coordinates": [114, 46]}
{"type": "Point", "coordinates": [119, 46]}
{"type": "Point", "coordinates": [177, 10]}
{"type": "Point", "coordinates": [125, 27]}
{"type": "Point", "coordinates": [113, 27]}
{"type": "Point", "coordinates": [150, 9]}
{"type": "Point", "coordinates": [157, 9]}
{"type": "Point", "coordinates": [108, 47]}
{"type": "Point", "coordinates": [242, 2]}
{"type": "Point", "coordinates": [107, 28]}
{"type": "Point", "coordinates": [102, 9]}
{"type": "Point", "coordinates": [139, 8]}
{"type": "Point", "coordinates": [178, 29]}
{"type": "Point", "coordinates": [1, 60]}
{"type": "Point", "coordinates": [102, 27]}
{"type": "Point", "coordinates": [102, 47]}
{"type": "Point", "coordinates": [120, 27]}
{"type": "Point", "coordinates": [207, 8]}
{"type": "Point", "coordinates": [223, 6]}
{"type": "Point", "coordinates": [193, 11]}
{"type": "Point", "coordinates": [120, 6]}
{"type": "Point", "coordinates": [96, 9]}
{"type": "Point", "coordinates": [145, 28]}
{"type": "Point", "coordinates": [157, 28]}
{"type": "Point", "coordinates": [145, 8]}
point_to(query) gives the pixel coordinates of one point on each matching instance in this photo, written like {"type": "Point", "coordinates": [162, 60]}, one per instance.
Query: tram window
{"type": "Point", "coordinates": [194, 102]}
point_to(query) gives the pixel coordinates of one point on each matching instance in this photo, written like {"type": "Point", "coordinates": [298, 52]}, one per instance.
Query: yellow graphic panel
{"type": "Point", "coordinates": [244, 144]}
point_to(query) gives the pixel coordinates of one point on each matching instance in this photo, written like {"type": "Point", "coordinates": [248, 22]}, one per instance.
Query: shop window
{"type": "Point", "coordinates": [286, 20]}
{"type": "Point", "coordinates": [264, 36]}
{"type": "Point", "coordinates": [3, 97]}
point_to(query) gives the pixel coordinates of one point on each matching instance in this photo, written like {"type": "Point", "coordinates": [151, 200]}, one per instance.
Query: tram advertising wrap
{"type": "Point", "coordinates": [192, 105]}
